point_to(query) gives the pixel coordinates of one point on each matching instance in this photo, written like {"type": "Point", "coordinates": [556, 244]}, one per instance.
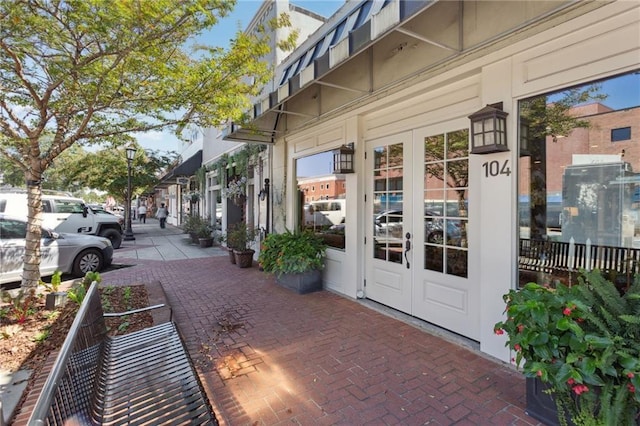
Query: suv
{"type": "Point", "coordinates": [64, 213]}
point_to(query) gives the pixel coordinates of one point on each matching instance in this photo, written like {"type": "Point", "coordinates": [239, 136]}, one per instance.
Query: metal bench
{"type": "Point", "coordinates": [144, 377]}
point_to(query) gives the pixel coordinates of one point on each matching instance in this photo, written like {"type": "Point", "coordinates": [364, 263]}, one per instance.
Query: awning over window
{"type": "Point", "coordinates": [186, 168]}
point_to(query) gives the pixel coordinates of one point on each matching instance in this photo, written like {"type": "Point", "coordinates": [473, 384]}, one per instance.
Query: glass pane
{"type": "Point", "coordinates": [458, 144]}
{"type": "Point", "coordinates": [388, 217]}
{"type": "Point", "coordinates": [457, 262]}
{"type": "Point", "coordinates": [446, 200]}
{"type": "Point", "coordinates": [434, 148]}
{"type": "Point", "coordinates": [322, 195]}
{"type": "Point", "coordinates": [434, 258]}
{"type": "Point", "coordinates": [578, 189]}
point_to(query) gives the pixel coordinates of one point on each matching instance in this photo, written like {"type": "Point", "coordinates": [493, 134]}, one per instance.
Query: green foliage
{"type": "Point", "coordinates": [90, 277]}
{"type": "Point", "coordinates": [240, 237]}
{"type": "Point", "coordinates": [292, 252]}
{"type": "Point", "coordinates": [77, 293]}
{"type": "Point", "coordinates": [21, 306]}
{"type": "Point", "coordinates": [584, 341]}
{"type": "Point", "coordinates": [93, 73]}
{"type": "Point", "coordinates": [200, 226]}
{"type": "Point", "coordinates": [56, 281]}
{"type": "Point", "coordinates": [42, 335]}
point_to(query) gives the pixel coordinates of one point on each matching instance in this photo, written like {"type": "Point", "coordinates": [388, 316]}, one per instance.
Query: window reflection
{"type": "Point", "coordinates": [579, 186]}
{"type": "Point", "coordinates": [388, 203]}
{"type": "Point", "coordinates": [322, 195]}
{"type": "Point", "coordinates": [446, 202]}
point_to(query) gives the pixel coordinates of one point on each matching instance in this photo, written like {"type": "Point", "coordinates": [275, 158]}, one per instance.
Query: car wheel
{"type": "Point", "coordinates": [89, 260]}
{"type": "Point", "coordinates": [435, 237]}
{"type": "Point", "coordinates": [113, 236]}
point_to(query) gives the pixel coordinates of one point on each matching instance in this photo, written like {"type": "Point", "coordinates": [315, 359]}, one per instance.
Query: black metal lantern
{"type": "Point", "coordinates": [488, 131]}
{"type": "Point", "coordinates": [343, 159]}
{"type": "Point", "coordinates": [524, 137]}
{"type": "Point", "coordinates": [128, 233]}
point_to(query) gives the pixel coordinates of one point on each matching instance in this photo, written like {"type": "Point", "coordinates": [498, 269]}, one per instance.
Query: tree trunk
{"type": "Point", "coordinates": [31, 271]}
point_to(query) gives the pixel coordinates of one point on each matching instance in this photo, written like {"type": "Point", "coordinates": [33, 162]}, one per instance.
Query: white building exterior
{"type": "Point", "coordinates": [215, 146]}
{"type": "Point", "coordinates": [401, 78]}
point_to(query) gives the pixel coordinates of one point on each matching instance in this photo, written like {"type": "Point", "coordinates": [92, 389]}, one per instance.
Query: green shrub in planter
{"type": "Point", "coordinates": [583, 343]}
{"type": "Point", "coordinates": [292, 253]}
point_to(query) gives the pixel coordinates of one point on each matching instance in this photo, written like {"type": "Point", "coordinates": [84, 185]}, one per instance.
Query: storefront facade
{"type": "Point", "coordinates": [429, 228]}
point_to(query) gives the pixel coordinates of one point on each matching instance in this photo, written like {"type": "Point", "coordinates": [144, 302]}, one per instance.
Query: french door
{"type": "Point", "coordinates": [417, 226]}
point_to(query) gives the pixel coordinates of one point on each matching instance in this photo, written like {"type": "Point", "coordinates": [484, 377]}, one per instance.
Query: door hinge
{"type": "Point", "coordinates": [365, 240]}
{"type": "Point", "coordinates": [365, 198]}
{"type": "Point", "coordinates": [365, 155]}
{"type": "Point", "coordinates": [365, 283]}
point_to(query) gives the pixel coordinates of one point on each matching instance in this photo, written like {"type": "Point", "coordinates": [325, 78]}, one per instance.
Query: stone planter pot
{"type": "Point", "coordinates": [244, 258]}
{"type": "Point", "coordinates": [232, 256]}
{"type": "Point", "coordinates": [301, 283]}
{"type": "Point", "coordinates": [194, 238]}
{"type": "Point", "coordinates": [205, 242]}
{"type": "Point", "coordinates": [55, 299]}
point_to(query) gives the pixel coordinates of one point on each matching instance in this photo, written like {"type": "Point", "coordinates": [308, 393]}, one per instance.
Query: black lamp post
{"type": "Point", "coordinates": [128, 233]}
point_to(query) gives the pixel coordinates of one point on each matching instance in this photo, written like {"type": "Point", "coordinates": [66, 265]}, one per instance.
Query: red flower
{"type": "Point", "coordinates": [571, 381]}
{"type": "Point", "coordinates": [630, 375]}
{"type": "Point", "coordinates": [631, 388]}
{"type": "Point", "coordinates": [539, 373]}
{"type": "Point", "coordinates": [578, 389]}
{"type": "Point", "coordinates": [499, 331]}
{"type": "Point", "coordinates": [520, 328]}
{"type": "Point", "coordinates": [567, 311]}
{"type": "Point", "coordinates": [517, 347]}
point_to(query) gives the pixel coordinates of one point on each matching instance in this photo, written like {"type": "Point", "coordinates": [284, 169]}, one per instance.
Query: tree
{"type": "Point", "coordinates": [106, 170]}
{"type": "Point", "coordinates": [93, 71]}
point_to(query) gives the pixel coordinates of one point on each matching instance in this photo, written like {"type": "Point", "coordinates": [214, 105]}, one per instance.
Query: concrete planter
{"type": "Point", "coordinates": [302, 283]}
{"type": "Point", "coordinates": [55, 299]}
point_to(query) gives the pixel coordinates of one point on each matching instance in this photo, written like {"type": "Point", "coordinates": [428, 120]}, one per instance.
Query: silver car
{"type": "Point", "coordinates": [76, 254]}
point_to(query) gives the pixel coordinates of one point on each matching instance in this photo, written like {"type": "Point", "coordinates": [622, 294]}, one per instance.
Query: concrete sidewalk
{"type": "Point", "coordinates": [268, 356]}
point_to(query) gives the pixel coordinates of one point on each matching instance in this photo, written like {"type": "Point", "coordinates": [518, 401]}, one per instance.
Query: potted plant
{"type": "Point", "coordinates": [581, 343]}
{"type": "Point", "coordinates": [240, 238]}
{"type": "Point", "coordinates": [203, 231]}
{"type": "Point", "coordinates": [54, 297]}
{"type": "Point", "coordinates": [296, 258]}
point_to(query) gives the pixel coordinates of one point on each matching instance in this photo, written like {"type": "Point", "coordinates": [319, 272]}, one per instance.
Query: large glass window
{"type": "Point", "coordinates": [579, 189]}
{"type": "Point", "coordinates": [323, 205]}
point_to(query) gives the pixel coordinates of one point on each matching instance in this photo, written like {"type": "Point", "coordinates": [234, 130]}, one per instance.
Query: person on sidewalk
{"type": "Point", "coordinates": [161, 214]}
{"type": "Point", "coordinates": [142, 213]}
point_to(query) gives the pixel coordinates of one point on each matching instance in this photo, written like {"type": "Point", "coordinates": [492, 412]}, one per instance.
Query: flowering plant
{"type": "Point", "coordinates": [292, 252]}
{"type": "Point", "coordinates": [236, 188]}
{"type": "Point", "coordinates": [583, 342]}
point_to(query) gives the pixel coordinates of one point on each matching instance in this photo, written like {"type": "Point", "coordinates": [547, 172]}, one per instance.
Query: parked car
{"type": "Point", "coordinates": [64, 213]}
{"type": "Point", "coordinates": [74, 254]}
{"type": "Point", "coordinates": [97, 208]}
{"type": "Point", "coordinates": [389, 225]}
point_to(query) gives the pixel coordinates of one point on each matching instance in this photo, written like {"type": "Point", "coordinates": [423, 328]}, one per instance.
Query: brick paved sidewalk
{"type": "Point", "coordinates": [268, 356]}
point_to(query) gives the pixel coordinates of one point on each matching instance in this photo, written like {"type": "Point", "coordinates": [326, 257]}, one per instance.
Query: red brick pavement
{"type": "Point", "coordinates": [268, 356]}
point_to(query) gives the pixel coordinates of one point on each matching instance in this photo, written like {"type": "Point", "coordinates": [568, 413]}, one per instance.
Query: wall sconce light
{"type": "Point", "coordinates": [264, 192]}
{"type": "Point", "coordinates": [524, 137]}
{"type": "Point", "coordinates": [488, 131]}
{"type": "Point", "coordinates": [343, 158]}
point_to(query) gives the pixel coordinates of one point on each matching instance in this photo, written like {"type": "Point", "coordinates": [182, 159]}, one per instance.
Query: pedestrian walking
{"type": "Point", "coordinates": [142, 213]}
{"type": "Point", "coordinates": [161, 214]}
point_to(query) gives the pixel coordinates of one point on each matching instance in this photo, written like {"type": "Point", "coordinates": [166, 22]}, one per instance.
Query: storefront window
{"type": "Point", "coordinates": [322, 198]}
{"type": "Point", "coordinates": [579, 181]}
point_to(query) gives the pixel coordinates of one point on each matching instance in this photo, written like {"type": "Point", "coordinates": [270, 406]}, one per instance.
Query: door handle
{"type": "Point", "coordinates": [407, 247]}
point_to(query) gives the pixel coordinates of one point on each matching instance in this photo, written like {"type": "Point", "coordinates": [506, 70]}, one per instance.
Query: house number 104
{"type": "Point", "coordinates": [494, 168]}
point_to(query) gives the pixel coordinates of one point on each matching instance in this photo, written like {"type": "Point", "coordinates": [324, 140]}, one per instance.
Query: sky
{"type": "Point", "coordinates": [219, 35]}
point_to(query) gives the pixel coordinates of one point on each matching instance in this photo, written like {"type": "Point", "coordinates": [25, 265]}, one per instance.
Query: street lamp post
{"type": "Point", "coordinates": [128, 233]}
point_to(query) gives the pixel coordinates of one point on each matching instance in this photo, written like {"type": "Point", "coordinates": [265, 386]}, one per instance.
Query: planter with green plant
{"type": "Point", "coordinates": [54, 297]}
{"type": "Point", "coordinates": [296, 258]}
{"type": "Point", "coordinates": [204, 232]}
{"type": "Point", "coordinates": [582, 343]}
{"type": "Point", "coordinates": [240, 238]}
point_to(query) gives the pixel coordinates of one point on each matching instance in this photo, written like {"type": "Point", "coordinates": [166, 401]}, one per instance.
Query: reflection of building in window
{"type": "Point", "coordinates": [621, 134]}
{"type": "Point", "coordinates": [326, 191]}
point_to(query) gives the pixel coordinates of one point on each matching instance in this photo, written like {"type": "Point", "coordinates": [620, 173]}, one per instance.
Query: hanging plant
{"type": "Point", "coordinates": [236, 189]}
{"type": "Point", "coordinates": [192, 197]}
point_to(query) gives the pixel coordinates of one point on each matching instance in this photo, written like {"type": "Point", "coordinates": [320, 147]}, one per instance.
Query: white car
{"type": "Point", "coordinates": [74, 254]}
{"type": "Point", "coordinates": [64, 213]}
